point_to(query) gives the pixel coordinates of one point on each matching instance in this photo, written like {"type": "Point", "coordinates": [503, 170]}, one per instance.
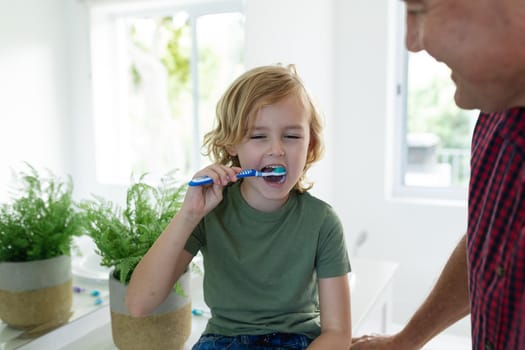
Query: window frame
{"type": "Point", "coordinates": [104, 16]}
{"type": "Point", "coordinates": [400, 66]}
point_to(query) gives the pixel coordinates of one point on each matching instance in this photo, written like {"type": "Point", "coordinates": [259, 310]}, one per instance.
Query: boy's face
{"type": "Point", "coordinates": [478, 40]}
{"type": "Point", "coordinates": [279, 137]}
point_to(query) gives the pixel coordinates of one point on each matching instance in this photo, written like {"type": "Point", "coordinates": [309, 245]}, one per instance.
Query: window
{"type": "Point", "coordinates": [158, 71]}
{"type": "Point", "coordinates": [434, 143]}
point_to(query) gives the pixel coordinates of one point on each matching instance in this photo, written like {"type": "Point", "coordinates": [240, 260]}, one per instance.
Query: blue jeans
{"type": "Point", "coordinates": [273, 341]}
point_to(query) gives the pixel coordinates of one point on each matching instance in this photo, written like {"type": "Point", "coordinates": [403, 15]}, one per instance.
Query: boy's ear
{"type": "Point", "coordinates": [231, 151]}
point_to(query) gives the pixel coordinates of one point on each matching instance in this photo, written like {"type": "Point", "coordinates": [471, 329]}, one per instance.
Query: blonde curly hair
{"type": "Point", "coordinates": [237, 108]}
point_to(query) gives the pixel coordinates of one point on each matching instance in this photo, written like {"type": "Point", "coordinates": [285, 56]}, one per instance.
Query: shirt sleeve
{"type": "Point", "coordinates": [196, 239]}
{"type": "Point", "coordinates": [332, 256]}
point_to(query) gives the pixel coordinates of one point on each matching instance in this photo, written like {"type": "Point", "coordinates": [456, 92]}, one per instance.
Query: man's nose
{"type": "Point", "coordinates": [413, 33]}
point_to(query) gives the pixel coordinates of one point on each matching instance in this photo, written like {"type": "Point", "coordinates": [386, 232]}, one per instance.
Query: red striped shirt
{"type": "Point", "coordinates": [496, 232]}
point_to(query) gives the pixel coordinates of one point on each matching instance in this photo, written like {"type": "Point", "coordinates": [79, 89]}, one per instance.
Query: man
{"type": "Point", "coordinates": [483, 42]}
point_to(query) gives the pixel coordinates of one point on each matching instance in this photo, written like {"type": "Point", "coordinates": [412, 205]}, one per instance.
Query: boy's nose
{"type": "Point", "coordinates": [276, 149]}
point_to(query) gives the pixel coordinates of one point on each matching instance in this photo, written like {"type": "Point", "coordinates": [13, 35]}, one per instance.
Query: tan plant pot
{"type": "Point", "coordinates": [168, 327]}
{"type": "Point", "coordinates": [36, 293]}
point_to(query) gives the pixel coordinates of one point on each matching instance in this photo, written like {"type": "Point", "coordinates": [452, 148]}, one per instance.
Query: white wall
{"type": "Point", "coordinates": [299, 32]}
{"type": "Point", "coordinates": [34, 100]}
{"type": "Point", "coordinates": [341, 51]}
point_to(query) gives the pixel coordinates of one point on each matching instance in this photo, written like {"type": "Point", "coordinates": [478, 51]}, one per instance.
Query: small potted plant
{"type": "Point", "coordinates": [122, 237]}
{"type": "Point", "coordinates": [36, 232]}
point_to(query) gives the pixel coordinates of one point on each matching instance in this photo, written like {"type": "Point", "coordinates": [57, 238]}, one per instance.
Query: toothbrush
{"type": "Point", "coordinates": [204, 180]}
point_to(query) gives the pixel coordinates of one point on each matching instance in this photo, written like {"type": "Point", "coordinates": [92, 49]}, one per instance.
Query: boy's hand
{"type": "Point", "coordinates": [200, 200]}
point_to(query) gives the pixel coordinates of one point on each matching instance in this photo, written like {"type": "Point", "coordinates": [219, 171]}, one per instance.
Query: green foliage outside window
{"type": "Point", "coordinates": [174, 54]}
{"type": "Point", "coordinates": [432, 109]}
{"type": "Point", "coordinates": [176, 58]}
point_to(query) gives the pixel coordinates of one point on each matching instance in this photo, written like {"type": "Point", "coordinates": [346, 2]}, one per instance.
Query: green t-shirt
{"type": "Point", "coordinates": [261, 269]}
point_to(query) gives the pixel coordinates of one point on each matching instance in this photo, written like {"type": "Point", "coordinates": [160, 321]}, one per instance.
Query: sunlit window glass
{"type": "Point", "coordinates": [438, 133]}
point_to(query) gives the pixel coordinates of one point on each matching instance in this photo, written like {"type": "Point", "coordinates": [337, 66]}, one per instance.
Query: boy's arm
{"type": "Point", "coordinates": [447, 303]}
{"type": "Point", "coordinates": [336, 324]}
{"type": "Point", "coordinates": [166, 260]}
{"type": "Point", "coordinates": [160, 268]}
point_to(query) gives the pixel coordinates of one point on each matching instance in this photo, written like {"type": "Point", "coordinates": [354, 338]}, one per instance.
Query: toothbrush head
{"type": "Point", "coordinates": [278, 171]}
{"type": "Point", "coordinates": [275, 175]}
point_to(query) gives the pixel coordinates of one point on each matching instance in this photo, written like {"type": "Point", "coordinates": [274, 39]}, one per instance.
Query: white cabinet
{"type": "Point", "coordinates": [372, 296]}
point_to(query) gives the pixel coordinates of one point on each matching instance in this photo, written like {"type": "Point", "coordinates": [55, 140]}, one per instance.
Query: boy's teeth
{"type": "Point", "coordinates": [270, 168]}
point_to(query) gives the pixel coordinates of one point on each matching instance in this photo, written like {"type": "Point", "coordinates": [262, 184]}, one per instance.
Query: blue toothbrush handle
{"type": "Point", "coordinates": [200, 180]}
{"type": "Point", "coordinates": [204, 180]}
{"type": "Point", "coordinates": [248, 172]}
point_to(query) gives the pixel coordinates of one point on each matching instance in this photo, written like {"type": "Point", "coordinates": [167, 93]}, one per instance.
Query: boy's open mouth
{"type": "Point", "coordinates": [272, 178]}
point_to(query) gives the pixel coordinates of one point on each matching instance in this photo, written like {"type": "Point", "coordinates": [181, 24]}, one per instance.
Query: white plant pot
{"type": "Point", "coordinates": [168, 327]}
{"type": "Point", "coordinates": [36, 293]}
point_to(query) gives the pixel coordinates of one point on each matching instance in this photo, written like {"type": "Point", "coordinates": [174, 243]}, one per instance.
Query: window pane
{"type": "Point", "coordinates": [438, 133]}
{"type": "Point", "coordinates": [158, 119]}
{"type": "Point", "coordinates": [220, 61]}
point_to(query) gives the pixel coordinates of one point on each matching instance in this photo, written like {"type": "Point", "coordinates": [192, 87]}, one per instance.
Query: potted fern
{"type": "Point", "coordinates": [36, 232]}
{"type": "Point", "coordinates": [122, 237]}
